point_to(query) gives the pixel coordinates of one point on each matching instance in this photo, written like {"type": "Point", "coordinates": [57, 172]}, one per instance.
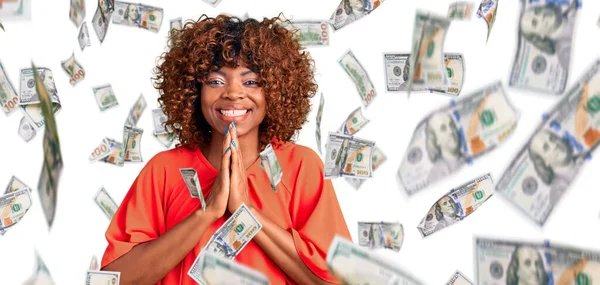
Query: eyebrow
{"type": "Point", "coordinates": [243, 73]}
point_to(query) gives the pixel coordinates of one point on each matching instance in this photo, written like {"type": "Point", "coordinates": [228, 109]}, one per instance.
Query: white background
{"type": "Point", "coordinates": [126, 59]}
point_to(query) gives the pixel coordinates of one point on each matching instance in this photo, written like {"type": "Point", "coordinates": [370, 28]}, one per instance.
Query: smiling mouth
{"type": "Point", "coordinates": [233, 113]}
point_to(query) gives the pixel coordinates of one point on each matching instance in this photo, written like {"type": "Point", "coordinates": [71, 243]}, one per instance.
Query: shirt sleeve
{"type": "Point", "coordinates": [140, 217]}
{"type": "Point", "coordinates": [316, 216]}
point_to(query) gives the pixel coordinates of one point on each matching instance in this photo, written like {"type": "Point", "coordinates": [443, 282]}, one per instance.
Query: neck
{"type": "Point", "coordinates": [248, 144]}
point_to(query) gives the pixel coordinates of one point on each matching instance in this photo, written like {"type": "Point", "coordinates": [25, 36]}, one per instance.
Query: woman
{"type": "Point", "coordinates": [229, 88]}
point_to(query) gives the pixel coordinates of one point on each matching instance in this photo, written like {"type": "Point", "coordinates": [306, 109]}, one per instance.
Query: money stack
{"type": "Point", "coordinates": [270, 164]}
{"type": "Point", "coordinates": [376, 235]}
{"type": "Point", "coordinates": [348, 12]}
{"type": "Point", "coordinates": [138, 15]}
{"type": "Point", "coordinates": [215, 270]}
{"type": "Point", "coordinates": [348, 156]}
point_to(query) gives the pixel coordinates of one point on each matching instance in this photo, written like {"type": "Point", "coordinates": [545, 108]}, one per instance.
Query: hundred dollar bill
{"type": "Point", "coordinates": [214, 3]}
{"type": "Point", "coordinates": [190, 177]}
{"type": "Point", "coordinates": [165, 139]}
{"type": "Point", "coordinates": [354, 265]}
{"type": "Point", "coordinates": [310, 33]}
{"type": "Point", "coordinates": [13, 207]}
{"type": "Point", "coordinates": [151, 18]}
{"type": "Point", "coordinates": [94, 277]}
{"type": "Point", "coordinates": [573, 265]}
{"type": "Point", "coordinates": [487, 11]}
{"type": "Point", "coordinates": [354, 123]}
{"type": "Point", "coordinates": [26, 131]}
{"type": "Point", "coordinates": [132, 137]}
{"type": "Point", "coordinates": [8, 96]}
{"type": "Point", "coordinates": [269, 162]}
{"type": "Point", "coordinates": [452, 136]}
{"type": "Point", "coordinates": [547, 164]}
{"type": "Point", "coordinates": [543, 56]}
{"type": "Point", "coordinates": [29, 98]}
{"type": "Point", "coordinates": [348, 156]}
{"type": "Point", "coordinates": [94, 263]}
{"type": "Point", "coordinates": [41, 276]}
{"type": "Point", "coordinates": [455, 68]}
{"type": "Point", "coordinates": [234, 234]}
{"type": "Point", "coordinates": [360, 77]}
{"type": "Point", "coordinates": [77, 12]}
{"type": "Point", "coordinates": [351, 10]}
{"type": "Point", "coordinates": [138, 15]}
{"type": "Point", "coordinates": [457, 204]}
{"type": "Point", "coordinates": [101, 151]}
{"type": "Point", "coordinates": [136, 111]}
{"type": "Point", "coordinates": [15, 10]}
{"type": "Point", "coordinates": [176, 24]}
{"type": "Point", "coordinates": [116, 156]}
{"type": "Point", "coordinates": [380, 235]}
{"type": "Point", "coordinates": [319, 118]}
{"type": "Point", "coordinates": [377, 159]}
{"type": "Point", "coordinates": [15, 184]}
{"type": "Point", "coordinates": [105, 97]}
{"type": "Point", "coordinates": [427, 60]}
{"type": "Point", "coordinates": [458, 278]}
{"type": "Point", "coordinates": [214, 270]}
{"type": "Point", "coordinates": [84, 36]}
{"type": "Point", "coordinates": [159, 118]}
{"type": "Point", "coordinates": [460, 10]}
{"type": "Point", "coordinates": [106, 203]}
{"type": "Point", "coordinates": [74, 69]}
{"type": "Point", "coordinates": [101, 19]}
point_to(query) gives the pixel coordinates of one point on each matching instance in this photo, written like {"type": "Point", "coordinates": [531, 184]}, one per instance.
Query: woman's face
{"type": "Point", "coordinates": [132, 13]}
{"type": "Point", "coordinates": [541, 21]}
{"type": "Point", "coordinates": [233, 95]}
{"type": "Point", "coordinates": [553, 150]}
{"type": "Point", "coordinates": [447, 206]}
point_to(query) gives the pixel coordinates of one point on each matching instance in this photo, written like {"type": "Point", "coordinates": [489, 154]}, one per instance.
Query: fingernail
{"type": "Point", "coordinates": [233, 124]}
{"type": "Point", "coordinates": [227, 130]}
{"type": "Point", "coordinates": [227, 150]}
{"type": "Point", "coordinates": [233, 143]}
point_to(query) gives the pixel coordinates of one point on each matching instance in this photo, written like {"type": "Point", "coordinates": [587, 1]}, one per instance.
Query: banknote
{"type": "Point", "coordinates": [487, 10]}
{"type": "Point", "coordinates": [377, 159]}
{"type": "Point", "coordinates": [77, 12]}
{"type": "Point", "coordinates": [269, 162]}
{"type": "Point", "coordinates": [132, 137]}
{"type": "Point", "coordinates": [460, 10]}
{"type": "Point", "coordinates": [357, 73]}
{"type": "Point", "coordinates": [94, 265]}
{"type": "Point", "coordinates": [210, 269]}
{"type": "Point", "coordinates": [376, 235]}
{"type": "Point", "coordinates": [151, 18]}
{"type": "Point", "coordinates": [348, 156]}
{"type": "Point", "coordinates": [29, 98]}
{"type": "Point", "coordinates": [176, 24]}
{"type": "Point", "coordinates": [84, 36]}
{"type": "Point", "coordinates": [190, 177]}
{"type": "Point", "coordinates": [116, 156]}
{"type": "Point", "coordinates": [459, 203]}
{"type": "Point", "coordinates": [41, 276]}
{"type": "Point", "coordinates": [234, 234]}
{"type": "Point", "coordinates": [94, 277]}
{"type": "Point", "coordinates": [452, 136]}
{"type": "Point", "coordinates": [14, 184]}
{"type": "Point", "coordinates": [543, 54]}
{"type": "Point", "coordinates": [101, 19]}
{"type": "Point", "coordinates": [310, 33]}
{"type": "Point", "coordinates": [8, 96]}
{"type": "Point", "coordinates": [138, 15]}
{"type": "Point", "coordinates": [136, 111]}
{"type": "Point", "coordinates": [101, 151]}
{"type": "Point", "coordinates": [355, 121]}
{"type": "Point", "coordinates": [544, 168]}
{"type": "Point", "coordinates": [74, 69]}
{"type": "Point", "coordinates": [427, 60]}
{"type": "Point", "coordinates": [159, 118]}
{"type": "Point", "coordinates": [354, 265]}
{"type": "Point", "coordinates": [572, 265]}
{"type": "Point", "coordinates": [165, 139]}
{"type": "Point", "coordinates": [2, 27]}
{"type": "Point", "coordinates": [13, 207]}
{"type": "Point", "coordinates": [214, 3]}
{"type": "Point", "coordinates": [15, 10]}
{"type": "Point", "coordinates": [26, 131]}
{"type": "Point", "coordinates": [351, 10]}
{"type": "Point", "coordinates": [106, 203]}
{"type": "Point", "coordinates": [455, 66]}
{"type": "Point", "coordinates": [105, 97]}
{"type": "Point", "coordinates": [319, 118]}
{"type": "Point", "coordinates": [458, 278]}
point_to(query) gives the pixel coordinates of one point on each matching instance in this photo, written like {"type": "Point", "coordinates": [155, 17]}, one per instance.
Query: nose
{"type": "Point", "coordinates": [234, 92]}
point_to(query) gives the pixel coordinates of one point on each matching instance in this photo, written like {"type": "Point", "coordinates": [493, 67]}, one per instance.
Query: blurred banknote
{"type": "Point", "coordinates": [101, 151]}
{"type": "Point", "coordinates": [15, 10]}
{"type": "Point", "coordinates": [29, 97]}
{"type": "Point", "coordinates": [457, 204]}
{"type": "Point", "coordinates": [360, 77]}
{"type": "Point", "coordinates": [348, 156]}
{"type": "Point", "coordinates": [319, 118]}
{"type": "Point", "coordinates": [132, 138]}
{"type": "Point", "coordinates": [13, 206]}
{"type": "Point", "coordinates": [74, 69]}
{"type": "Point", "coordinates": [159, 118]}
{"type": "Point", "coordinates": [84, 36]}
{"type": "Point", "coordinates": [459, 279]}
{"type": "Point", "coordinates": [234, 234]}
{"type": "Point", "coordinates": [41, 276]}
{"type": "Point", "coordinates": [269, 162]}
{"type": "Point", "coordinates": [427, 60]}
{"type": "Point", "coordinates": [214, 3]}
{"type": "Point", "coordinates": [165, 139]}
{"type": "Point", "coordinates": [310, 33]}
{"type": "Point", "coordinates": [545, 37]}
{"type": "Point", "coordinates": [460, 10]}
{"type": "Point", "coordinates": [116, 155]}
{"type": "Point", "coordinates": [105, 97]}
{"type": "Point", "coordinates": [26, 130]}
{"type": "Point", "coordinates": [138, 15]}
{"type": "Point", "coordinates": [101, 19]}
{"type": "Point", "coordinates": [175, 25]}
{"type": "Point", "coordinates": [487, 10]}
{"type": "Point", "coordinates": [377, 159]}
{"type": "Point", "coordinates": [211, 269]}
{"type": "Point", "coordinates": [136, 111]}
{"type": "Point", "coordinates": [355, 121]}
{"type": "Point", "coordinates": [354, 265]}
{"type": "Point", "coordinates": [106, 203]}
{"type": "Point", "coordinates": [547, 164]}
{"type": "Point", "coordinates": [94, 264]}
{"type": "Point", "coordinates": [77, 12]}
{"type": "Point", "coordinates": [452, 136]}
{"type": "Point", "coordinates": [14, 185]}
{"type": "Point", "coordinates": [376, 235]}
{"type": "Point", "coordinates": [8, 96]}
{"type": "Point", "coordinates": [351, 10]}
{"type": "Point", "coordinates": [190, 177]}
{"type": "Point", "coordinates": [102, 277]}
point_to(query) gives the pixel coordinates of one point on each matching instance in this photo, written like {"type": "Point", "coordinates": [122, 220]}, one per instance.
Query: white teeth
{"type": "Point", "coordinates": [233, 113]}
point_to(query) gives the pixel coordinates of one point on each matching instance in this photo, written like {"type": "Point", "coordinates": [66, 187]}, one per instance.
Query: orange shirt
{"type": "Point", "coordinates": [305, 205]}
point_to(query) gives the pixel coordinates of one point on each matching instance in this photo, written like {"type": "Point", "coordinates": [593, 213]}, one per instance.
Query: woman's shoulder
{"type": "Point", "coordinates": [175, 158]}
{"type": "Point", "coordinates": [295, 154]}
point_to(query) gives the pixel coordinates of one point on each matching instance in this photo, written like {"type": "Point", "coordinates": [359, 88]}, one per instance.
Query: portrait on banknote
{"type": "Point", "coordinates": [443, 144]}
{"type": "Point", "coordinates": [526, 267]}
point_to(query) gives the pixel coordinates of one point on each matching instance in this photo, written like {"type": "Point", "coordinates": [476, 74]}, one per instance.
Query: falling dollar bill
{"type": "Point", "coordinates": [13, 206]}
{"type": "Point", "coordinates": [455, 68]}
{"type": "Point", "coordinates": [354, 123]}
{"type": "Point", "coordinates": [354, 265]}
{"type": "Point", "coordinates": [377, 159]}
{"type": "Point", "coordinates": [105, 97]}
{"type": "Point", "coordinates": [15, 184]}
{"type": "Point", "coordinates": [190, 177]}
{"type": "Point", "coordinates": [460, 10]}
{"type": "Point", "coordinates": [74, 69]}
{"type": "Point", "coordinates": [94, 277]}
{"type": "Point", "coordinates": [116, 155]}
{"type": "Point", "coordinates": [458, 278]}
{"type": "Point", "coordinates": [15, 10]}
{"type": "Point", "coordinates": [94, 264]}
{"type": "Point", "coordinates": [348, 156]}
{"type": "Point", "coordinates": [106, 203]}
{"type": "Point", "coordinates": [487, 10]}
{"type": "Point", "coordinates": [165, 139]}
{"type": "Point", "coordinates": [544, 168]}
{"type": "Point", "coordinates": [234, 234]}
{"type": "Point", "coordinates": [452, 136]}
{"type": "Point", "coordinates": [457, 204]}
{"type": "Point", "coordinates": [159, 118]}
{"type": "Point", "coordinates": [360, 77]}
{"type": "Point", "coordinates": [26, 131]}
{"type": "Point", "coordinates": [41, 275]}
{"type": "Point", "coordinates": [136, 111]}
{"type": "Point", "coordinates": [101, 151]}
{"type": "Point", "coordinates": [351, 10]}
{"type": "Point", "coordinates": [101, 19]}
{"type": "Point", "coordinates": [319, 118]}
{"type": "Point", "coordinates": [84, 36]}
{"type": "Point", "coordinates": [545, 37]}
{"type": "Point", "coordinates": [215, 270]}
{"type": "Point", "coordinates": [8, 96]}
{"type": "Point", "coordinates": [77, 12]}
{"type": "Point", "coordinates": [176, 25]}
{"type": "Point", "coordinates": [138, 15]}
{"type": "Point", "coordinates": [132, 137]}
{"type": "Point", "coordinates": [269, 162]}
{"type": "Point", "coordinates": [427, 60]}
{"type": "Point", "coordinates": [376, 235]}
{"type": "Point", "coordinates": [214, 3]}
{"type": "Point", "coordinates": [29, 98]}
{"type": "Point", "coordinates": [309, 33]}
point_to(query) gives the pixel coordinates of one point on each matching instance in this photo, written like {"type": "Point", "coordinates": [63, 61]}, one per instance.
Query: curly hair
{"type": "Point", "coordinates": [286, 75]}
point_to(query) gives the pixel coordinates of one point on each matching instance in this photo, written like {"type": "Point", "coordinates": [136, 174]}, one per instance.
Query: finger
{"type": "Point", "coordinates": [227, 139]}
{"type": "Point", "coordinates": [235, 142]}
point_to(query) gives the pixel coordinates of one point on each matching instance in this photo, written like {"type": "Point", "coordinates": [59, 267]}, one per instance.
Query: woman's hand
{"type": "Point", "coordinates": [238, 193]}
{"type": "Point", "coordinates": [216, 202]}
